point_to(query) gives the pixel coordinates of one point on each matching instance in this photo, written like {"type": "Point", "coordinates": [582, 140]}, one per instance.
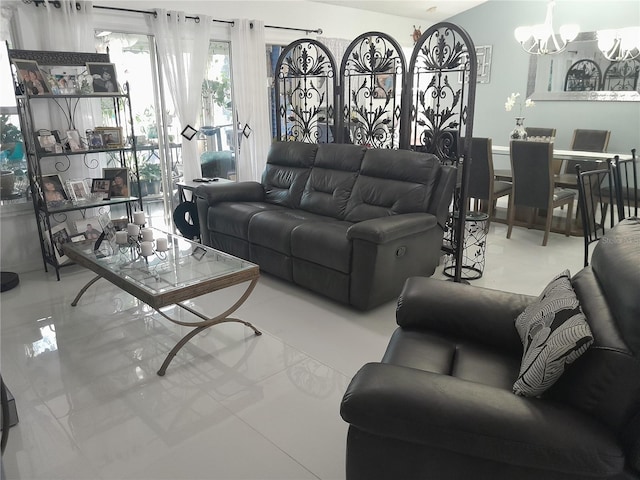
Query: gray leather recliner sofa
{"type": "Point", "coordinates": [347, 222]}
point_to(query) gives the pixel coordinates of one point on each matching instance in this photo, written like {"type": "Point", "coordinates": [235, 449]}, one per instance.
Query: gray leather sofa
{"type": "Point", "coordinates": [440, 404]}
{"type": "Point", "coordinates": [347, 222]}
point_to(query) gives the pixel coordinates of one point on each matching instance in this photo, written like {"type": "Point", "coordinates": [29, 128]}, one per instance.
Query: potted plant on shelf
{"type": "Point", "coordinates": [150, 178]}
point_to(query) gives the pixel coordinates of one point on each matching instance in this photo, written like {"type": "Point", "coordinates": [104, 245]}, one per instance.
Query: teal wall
{"type": "Point", "coordinates": [493, 23]}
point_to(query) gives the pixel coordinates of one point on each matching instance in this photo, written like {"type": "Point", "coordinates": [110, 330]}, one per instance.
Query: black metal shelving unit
{"type": "Point", "coordinates": [40, 161]}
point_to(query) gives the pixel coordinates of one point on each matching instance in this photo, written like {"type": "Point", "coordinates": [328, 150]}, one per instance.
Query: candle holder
{"type": "Point", "coordinates": [143, 248]}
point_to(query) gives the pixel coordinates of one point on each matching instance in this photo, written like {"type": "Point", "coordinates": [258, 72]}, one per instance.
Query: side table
{"type": "Point", "coordinates": [474, 247]}
{"type": "Point", "coordinates": [185, 215]}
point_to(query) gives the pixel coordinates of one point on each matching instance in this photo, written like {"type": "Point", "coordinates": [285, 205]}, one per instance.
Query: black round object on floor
{"type": "Point", "coordinates": [9, 280]}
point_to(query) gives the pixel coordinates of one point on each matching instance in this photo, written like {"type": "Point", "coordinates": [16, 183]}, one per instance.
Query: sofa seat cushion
{"type": "Point", "coordinates": [323, 243]}
{"type": "Point", "coordinates": [272, 228]}
{"type": "Point", "coordinates": [232, 218]}
{"type": "Point", "coordinates": [438, 353]}
{"type": "Point", "coordinates": [554, 332]}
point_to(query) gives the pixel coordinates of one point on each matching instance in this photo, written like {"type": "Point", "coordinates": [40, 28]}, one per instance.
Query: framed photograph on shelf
{"type": "Point", "coordinates": [95, 140]}
{"type": "Point", "coordinates": [78, 190]}
{"type": "Point", "coordinates": [46, 142]}
{"type": "Point", "coordinates": [78, 237]}
{"type": "Point", "coordinates": [32, 78]}
{"type": "Point", "coordinates": [108, 227]}
{"type": "Point", "coordinates": [104, 77]}
{"type": "Point", "coordinates": [101, 185]}
{"type": "Point", "coordinates": [53, 190]}
{"type": "Point", "coordinates": [90, 228]}
{"type": "Point", "coordinates": [60, 235]}
{"type": "Point", "coordinates": [119, 181]}
{"type": "Point", "coordinates": [111, 136]}
{"type": "Point", "coordinates": [75, 142]}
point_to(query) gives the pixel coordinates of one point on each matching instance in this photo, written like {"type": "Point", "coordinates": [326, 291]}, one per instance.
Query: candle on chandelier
{"type": "Point", "coordinates": [162, 244]}
{"type": "Point", "coordinates": [122, 237]}
{"type": "Point", "coordinates": [146, 249]}
{"type": "Point", "coordinates": [133, 229]}
{"type": "Point", "coordinates": [138, 218]}
{"type": "Point", "coordinates": [147, 234]}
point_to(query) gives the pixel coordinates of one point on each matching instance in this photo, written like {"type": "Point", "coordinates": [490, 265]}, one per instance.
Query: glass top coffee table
{"type": "Point", "coordinates": [185, 271]}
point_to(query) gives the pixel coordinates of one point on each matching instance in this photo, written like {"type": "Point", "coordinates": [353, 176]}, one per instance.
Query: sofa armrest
{"type": "Point", "coordinates": [386, 229]}
{"type": "Point", "coordinates": [231, 192]}
{"type": "Point", "coordinates": [478, 420]}
{"type": "Point", "coordinates": [480, 314]}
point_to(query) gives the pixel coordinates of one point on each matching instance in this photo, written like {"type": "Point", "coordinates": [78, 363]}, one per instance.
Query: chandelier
{"type": "Point", "coordinates": [621, 44]}
{"type": "Point", "coordinates": [541, 40]}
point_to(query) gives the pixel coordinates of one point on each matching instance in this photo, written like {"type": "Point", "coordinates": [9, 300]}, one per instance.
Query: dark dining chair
{"type": "Point", "coordinates": [533, 184]}
{"type": "Point", "coordinates": [540, 132]}
{"type": "Point", "coordinates": [482, 185]}
{"type": "Point", "coordinates": [588, 141]}
{"type": "Point", "coordinates": [596, 203]}
{"type": "Point", "coordinates": [626, 186]}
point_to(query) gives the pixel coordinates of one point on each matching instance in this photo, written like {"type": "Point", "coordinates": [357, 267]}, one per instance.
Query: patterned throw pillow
{"type": "Point", "coordinates": [554, 332]}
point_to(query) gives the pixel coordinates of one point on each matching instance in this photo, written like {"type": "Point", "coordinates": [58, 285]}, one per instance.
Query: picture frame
{"type": "Point", "coordinates": [31, 77]}
{"type": "Point", "coordinates": [78, 190]}
{"type": "Point", "coordinates": [101, 185]}
{"type": "Point", "coordinates": [78, 237]}
{"type": "Point", "coordinates": [47, 142]}
{"type": "Point", "coordinates": [103, 76]}
{"type": "Point", "coordinates": [95, 140]}
{"type": "Point", "coordinates": [111, 136]}
{"type": "Point", "coordinates": [64, 79]}
{"type": "Point", "coordinates": [53, 191]}
{"type": "Point", "coordinates": [108, 227]}
{"type": "Point", "coordinates": [75, 142]}
{"type": "Point", "coordinates": [119, 181]}
{"type": "Point", "coordinates": [89, 227]}
{"type": "Point", "coordinates": [59, 235]}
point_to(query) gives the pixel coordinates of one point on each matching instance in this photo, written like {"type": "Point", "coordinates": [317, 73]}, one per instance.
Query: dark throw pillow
{"type": "Point", "coordinates": [554, 333]}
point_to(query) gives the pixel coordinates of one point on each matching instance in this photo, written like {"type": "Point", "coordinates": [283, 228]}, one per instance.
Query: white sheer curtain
{"type": "Point", "coordinates": [68, 27]}
{"type": "Point", "coordinates": [337, 47]}
{"type": "Point", "coordinates": [251, 98]}
{"type": "Point", "coordinates": [183, 47]}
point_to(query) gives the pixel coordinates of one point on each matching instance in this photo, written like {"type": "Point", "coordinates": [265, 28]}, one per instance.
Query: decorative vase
{"type": "Point", "coordinates": [519, 133]}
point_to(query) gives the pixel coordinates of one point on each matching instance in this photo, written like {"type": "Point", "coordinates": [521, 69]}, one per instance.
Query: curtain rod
{"type": "Point", "coordinates": [56, 3]}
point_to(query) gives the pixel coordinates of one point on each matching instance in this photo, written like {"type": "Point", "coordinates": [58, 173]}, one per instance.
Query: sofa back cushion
{"type": "Point", "coordinates": [287, 171]}
{"type": "Point", "coordinates": [332, 178]}
{"type": "Point", "coordinates": [393, 182]}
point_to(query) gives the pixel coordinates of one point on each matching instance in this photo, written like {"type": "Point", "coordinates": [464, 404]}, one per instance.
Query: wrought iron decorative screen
{"type": "Point", "coordinates": [438, 109]}
{"type": "Point", "coordinates": [372, 75]}
{"type": "Point", "coordinates": [378, 102]}
{"type": "Point", "coordinates": [306, 93]}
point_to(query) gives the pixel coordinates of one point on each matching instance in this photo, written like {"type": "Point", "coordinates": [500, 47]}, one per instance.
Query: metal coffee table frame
{"type": "Point", "coordinates": [83, 254]}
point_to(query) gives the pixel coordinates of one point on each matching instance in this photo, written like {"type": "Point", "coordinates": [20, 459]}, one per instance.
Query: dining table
{"type": "Point", "coordinates": [564, 178]}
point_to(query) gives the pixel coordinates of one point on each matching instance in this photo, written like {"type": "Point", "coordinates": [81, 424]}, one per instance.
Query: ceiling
{"type": "Point", "coordinates": [432, 11]}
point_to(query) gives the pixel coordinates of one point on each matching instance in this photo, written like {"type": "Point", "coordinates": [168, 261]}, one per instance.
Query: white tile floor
{"type": "Point", "coordinates": [232, 405]}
